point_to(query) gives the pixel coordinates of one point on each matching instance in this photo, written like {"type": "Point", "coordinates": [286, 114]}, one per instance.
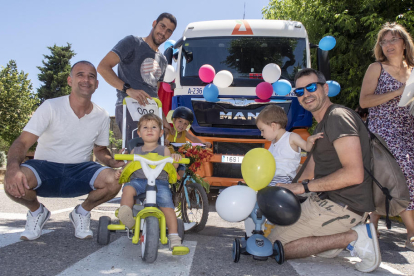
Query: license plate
{"type": "Point", "coordinates": [231, 159]}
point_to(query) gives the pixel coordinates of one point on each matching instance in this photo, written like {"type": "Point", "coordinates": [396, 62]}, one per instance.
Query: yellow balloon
{"type": "Point", "coordinates": [258, 168]}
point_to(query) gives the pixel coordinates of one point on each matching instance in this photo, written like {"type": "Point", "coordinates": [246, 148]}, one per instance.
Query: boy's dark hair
{"type": "Point", "coordinates": [168, 16]}
{"type": "Point", "coordinates": [273, 114]}
{"type": "Point", "coordinates": [149, 117]}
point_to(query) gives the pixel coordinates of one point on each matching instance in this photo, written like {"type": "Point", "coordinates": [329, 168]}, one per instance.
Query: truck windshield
{"type": "Point", "coordinates": [244, 57]}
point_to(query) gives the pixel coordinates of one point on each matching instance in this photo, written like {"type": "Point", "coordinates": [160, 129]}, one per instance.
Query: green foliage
{"type": "Point", "coordinates": [354, 24]}
{"type": "Point", "coordinates": [54, 73]}
{"type": "Point", "coordinates": [17, 103]}
{"type": "Point", "coordinates": [2, 159]}
{"type": "Point", "coordinates": [114, 143]}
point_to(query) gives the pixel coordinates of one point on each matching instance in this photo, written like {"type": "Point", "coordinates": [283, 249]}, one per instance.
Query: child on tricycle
{"type": "Point", "coordinates": [149, 129]}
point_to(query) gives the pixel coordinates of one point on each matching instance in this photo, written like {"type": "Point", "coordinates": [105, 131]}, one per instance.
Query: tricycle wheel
{"type": "Point", "coordinates": [180, 228]}
{"type": "Point", "coordinates": [278, 252]}
{"type": "Point", "coordinates": [103, 232]}
{"type": "Point", "coordinates": [236, 250]}
{"type": "Point", "coordinates": [149, 239]}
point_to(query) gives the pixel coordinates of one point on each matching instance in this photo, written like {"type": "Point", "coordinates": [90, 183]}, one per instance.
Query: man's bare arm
{"type": "Point", "coordinates": [102, 154]}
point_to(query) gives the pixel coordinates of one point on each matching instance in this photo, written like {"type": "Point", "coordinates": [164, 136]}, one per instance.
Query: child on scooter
{"type": "Point", "coordinates": [285, 147]}
{"type": "Point", "coordinates": [149, 129]}
{"type": "Point", "coordinates": [182, 117]}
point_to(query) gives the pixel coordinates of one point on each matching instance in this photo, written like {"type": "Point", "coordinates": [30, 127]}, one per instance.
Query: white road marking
{"type": "Point", "coordinates": [18, 216]}
{"type": "Point", "coordinates": [10, 235]}
{"type": "Point", "coordinates": [342, 265]}
{"type": "Point", "coordinates": [124, 258]}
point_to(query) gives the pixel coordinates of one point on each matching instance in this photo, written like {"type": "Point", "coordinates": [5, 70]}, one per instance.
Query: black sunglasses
{"type": "Point", "coordinates": [311, 87]}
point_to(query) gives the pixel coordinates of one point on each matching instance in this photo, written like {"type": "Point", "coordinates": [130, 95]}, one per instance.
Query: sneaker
{"type": "Point", "coordinates": [268, 228]}
{"type": "Point", "coordinates": [366, 247]}
{"type": "Point", "coordinates": [409, 244]}
{"type": "Point", "coordinates": [81, 224]}
{"type": "Point", "coordinates": [126, 216]}
{"type": "Point", "coordinates": [34, 225]}
{"type": "Point", "coordinates": [174, 240]}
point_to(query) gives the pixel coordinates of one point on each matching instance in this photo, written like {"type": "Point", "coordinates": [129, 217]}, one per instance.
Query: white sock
{"type": "Point", "coordinates": [173, 234]}
{"type": "Point", "coordinates": [37, 212]}
{"type": "Point", "coordinates": [81, 211]}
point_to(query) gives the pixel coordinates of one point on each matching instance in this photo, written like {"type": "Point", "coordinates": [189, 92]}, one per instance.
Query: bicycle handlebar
{"type": "Point", "coordinates": [130, 157]}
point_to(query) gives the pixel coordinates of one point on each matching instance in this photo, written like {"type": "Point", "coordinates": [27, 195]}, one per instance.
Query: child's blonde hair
{"type": "Point", "coordinates": [273, 114]}
{"type": "Point", "coordinates": [149, 117]}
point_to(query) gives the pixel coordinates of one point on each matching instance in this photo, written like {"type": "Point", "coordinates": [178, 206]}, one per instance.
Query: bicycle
{"type": "Point", "coordinates": [150, 224]}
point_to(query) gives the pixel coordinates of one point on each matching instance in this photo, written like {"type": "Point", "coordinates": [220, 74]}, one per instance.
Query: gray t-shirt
{"type": "Point", "coordinates": [139, 173]}
{"type": "Point", "coordinates": [342, 122]}
{"type": "Point", "coordinates": [139, 66]}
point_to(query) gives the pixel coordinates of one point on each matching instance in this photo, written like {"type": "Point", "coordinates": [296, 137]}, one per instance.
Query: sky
{"type": "Point", "coordinates": [93, 27]}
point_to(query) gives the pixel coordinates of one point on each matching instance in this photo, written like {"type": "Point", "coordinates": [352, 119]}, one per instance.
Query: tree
{"type": "Point", "coordinates": [354, 24]}
{"type": "Point", "coordinates": [54, 73]}
{"type": "Point", "coordinates": [17, 102]}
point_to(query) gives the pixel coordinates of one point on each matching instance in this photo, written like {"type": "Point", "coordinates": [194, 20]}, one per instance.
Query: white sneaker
{"type": "Point", "coordinates": [34, 225]}
{"type": "Point", "coordinates": [366, 247]}
{"type": "Point", "coordinates": [81, 224]}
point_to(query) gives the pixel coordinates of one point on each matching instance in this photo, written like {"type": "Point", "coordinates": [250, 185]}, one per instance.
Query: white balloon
{"type": "Point", "coordinates": [223, 79]}
{"type": "Point", "coordinates": [271, 73]}
{"type": "Point", "coordinates": [236, 203]}
{"type": "Point", "coordinates": [169, 74]}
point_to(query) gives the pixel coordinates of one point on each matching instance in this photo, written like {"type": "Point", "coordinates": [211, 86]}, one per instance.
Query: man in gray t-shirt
{"type": "Point", "coordinates": [140, 67]}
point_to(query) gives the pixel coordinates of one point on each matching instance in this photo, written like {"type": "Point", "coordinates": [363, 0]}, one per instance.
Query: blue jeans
{"type": "Point", "coordinates": [164, 196]}
{"type": "Point", "coordinates": [64, 180]}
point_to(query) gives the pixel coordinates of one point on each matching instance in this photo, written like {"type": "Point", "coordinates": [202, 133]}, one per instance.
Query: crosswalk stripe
{"type": "Point", "coordinates": [10, 235]}
{"type": "Point", "coordinates": [123, 258]}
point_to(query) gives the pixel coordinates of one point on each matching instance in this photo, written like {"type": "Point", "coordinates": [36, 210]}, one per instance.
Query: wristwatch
{"type": "Point", "coordinates": [126, 87]}
{"type": "Point", "coordinates": [305, 183]}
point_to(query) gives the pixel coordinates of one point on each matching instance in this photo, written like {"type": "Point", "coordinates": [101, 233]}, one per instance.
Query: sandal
{"type": "Point", "coordinates": [410, 244]}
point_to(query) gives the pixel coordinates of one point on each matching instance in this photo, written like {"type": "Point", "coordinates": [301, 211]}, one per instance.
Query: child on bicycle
{"type": "Point", "coordinates": [182, 117]}
{"type": "Point", "coordinates": [285, 147]}
{"type": "Point", "coordinates": [149, 129]}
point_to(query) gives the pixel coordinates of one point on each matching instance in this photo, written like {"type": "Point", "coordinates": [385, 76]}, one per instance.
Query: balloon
{"type": "Point", "coordinates": [169, 74]}
{"type": "Point", "coordinates": [223, 79]}
{"type": "Point", "coordinates": [206, 73]}
{"type": "Point", "coordinates": [168, 44]}
{"type": "Point", "coordinates": [271, 73]}
{"type": "Point", "coordinates": [210, 93]}
{"type": "Point", "coordinates": [282, 87]}
{"type": "Point", "coordinates": [264, 90]}
{"type": "Point", "coordinates": [235, 203]}
{"type": "Point", "coordinates": [327, 43]}
{"type": "Point", "coordinates": [167, 87]}
{"type": "Point", "coordinates": [258, 168]}
{"type": "Point", "coordinates": [279, 205]}
{"type": "Point", "coordinates": [334, 88]}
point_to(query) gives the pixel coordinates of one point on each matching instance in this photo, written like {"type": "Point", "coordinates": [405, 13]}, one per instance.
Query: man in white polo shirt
{"type": "Point", "coordinates": [67, 130]}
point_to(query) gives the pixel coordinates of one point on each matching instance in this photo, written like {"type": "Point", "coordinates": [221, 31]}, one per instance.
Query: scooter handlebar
{"type": "Point", "coordinates": [130, 157]}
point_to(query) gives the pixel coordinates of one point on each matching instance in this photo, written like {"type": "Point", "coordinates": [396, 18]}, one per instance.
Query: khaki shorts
{"type": "Point", "coordinates": [318, 218]}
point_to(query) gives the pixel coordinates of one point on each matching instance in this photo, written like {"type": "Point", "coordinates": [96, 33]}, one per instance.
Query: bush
{"type": "Point", "coordinates": [2, 159]}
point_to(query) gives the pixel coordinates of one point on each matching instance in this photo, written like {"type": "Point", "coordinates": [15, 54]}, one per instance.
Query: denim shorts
{"type": "Point", "coordinates": [164, 196]}
{"type": "Point", "coordinates": [181, 167]}
{"type": "Point", "coordinates": [64, 180]}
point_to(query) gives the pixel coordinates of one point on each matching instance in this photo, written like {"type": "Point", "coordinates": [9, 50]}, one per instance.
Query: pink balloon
{"type": "Point", "coordinates": [167, 87]}
{"type": "Point", "coordinates": [264, 90]}
{"type": "Point", "coordinates": [206, 73]}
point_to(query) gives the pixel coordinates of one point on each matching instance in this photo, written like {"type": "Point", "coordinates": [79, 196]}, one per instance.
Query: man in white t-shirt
{"type": "Point", "coordinates": [67, 130]}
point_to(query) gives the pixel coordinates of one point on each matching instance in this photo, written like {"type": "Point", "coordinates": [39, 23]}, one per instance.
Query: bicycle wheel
{"type": "Point", "coordinates": [103, 232]}
{"type": "Point", "coordinates": [197, 209]}
{"type": "Point", "coordinates": [149, 239]}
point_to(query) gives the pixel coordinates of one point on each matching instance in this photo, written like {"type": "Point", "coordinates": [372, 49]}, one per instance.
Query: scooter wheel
{"type": "Point", "coordinates": [103, 232]}
{"type": "Point", "coordinates": [278, 252]}
{"type": "Point", "coordinates": [236, 250]}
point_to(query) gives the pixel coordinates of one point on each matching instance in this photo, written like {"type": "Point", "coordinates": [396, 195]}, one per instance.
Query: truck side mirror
{"type": "Point", "coordinates": [323, 63]}
{"type": "Point", "coordinates": [168, 53]}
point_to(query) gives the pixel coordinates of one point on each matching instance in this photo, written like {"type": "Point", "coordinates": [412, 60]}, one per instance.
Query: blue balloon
{"type": "Point", "coordinates": [211, 92]}
{"type": "Point", "coordinates": [334, 88]}
{"type": "Point", "coordinates": [168, 44]}
{"type": "Point", "coordinates": [282, 87]}
{"type": "Point", "coordinates": [327, 43]}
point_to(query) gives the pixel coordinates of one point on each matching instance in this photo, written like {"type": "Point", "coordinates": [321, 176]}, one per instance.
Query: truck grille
{"type": "Point", "coordinates": [227, 170]}
{"type": "Point", "coordinates": [235, 148]}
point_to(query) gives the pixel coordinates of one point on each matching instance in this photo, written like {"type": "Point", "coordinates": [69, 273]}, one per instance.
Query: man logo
{"type": "Point", "coordinates": [238, 116]}
{"type": "Point", "coordinates": [242, 28]}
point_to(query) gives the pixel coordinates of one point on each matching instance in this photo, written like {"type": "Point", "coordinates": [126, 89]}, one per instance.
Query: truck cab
{"type": "Point", "coordinates": [243, 47]}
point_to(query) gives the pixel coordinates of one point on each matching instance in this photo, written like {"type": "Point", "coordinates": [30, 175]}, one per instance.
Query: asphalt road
{"type": "Point", "coordinates": [58, 252]}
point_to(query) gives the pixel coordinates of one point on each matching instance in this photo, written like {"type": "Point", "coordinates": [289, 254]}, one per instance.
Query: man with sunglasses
{"type": "Point", "coordinates": [333, 217]}
{"type": "Point", "coordinates": [141, 66]}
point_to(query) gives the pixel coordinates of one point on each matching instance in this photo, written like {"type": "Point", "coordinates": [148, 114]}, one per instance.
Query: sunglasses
{"type": "Point", "coordinates": [311, 87]}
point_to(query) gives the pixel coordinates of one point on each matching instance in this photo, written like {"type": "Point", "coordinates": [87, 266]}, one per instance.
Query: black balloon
{"type": "Point", "coordinates": [279, 205]}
